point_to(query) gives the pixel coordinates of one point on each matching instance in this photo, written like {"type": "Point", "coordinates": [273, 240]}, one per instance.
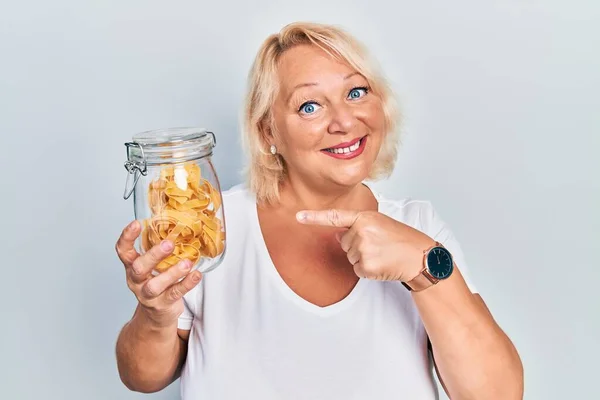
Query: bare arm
{"type": "Point", "coordinates": [149, 358]}
{"type": "Point", "coordinates": [473, 357]}
{"type": "Point", "coordinates": [150, 349]}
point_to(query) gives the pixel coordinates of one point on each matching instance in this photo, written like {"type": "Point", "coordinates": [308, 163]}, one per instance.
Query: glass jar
{"type": "Point", "coordinates": [177, 195]}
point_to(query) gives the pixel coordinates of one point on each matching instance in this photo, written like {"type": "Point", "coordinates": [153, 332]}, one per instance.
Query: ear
{"type": "Point", "coordinates": [267, 133]}
{"type": "Point", "coordinates": [265, 129]}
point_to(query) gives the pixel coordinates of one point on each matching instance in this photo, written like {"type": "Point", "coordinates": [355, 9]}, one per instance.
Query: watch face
{"type": "Point", "coordinates": [439, 263]}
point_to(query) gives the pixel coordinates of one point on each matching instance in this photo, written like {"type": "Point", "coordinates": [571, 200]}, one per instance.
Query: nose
{"type": "Point", "coordinates": [343, 119]}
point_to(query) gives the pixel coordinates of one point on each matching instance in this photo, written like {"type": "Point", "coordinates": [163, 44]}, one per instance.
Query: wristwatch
{"type": "Point", "coordinates": [437, 265]}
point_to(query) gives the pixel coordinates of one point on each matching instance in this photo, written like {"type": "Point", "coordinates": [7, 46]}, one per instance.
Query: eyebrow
{"type": "Point", "coordinates": [301, 85]}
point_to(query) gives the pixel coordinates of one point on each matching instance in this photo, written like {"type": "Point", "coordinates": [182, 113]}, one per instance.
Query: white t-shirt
{"type": "Point", "coordinates": [252, 337]}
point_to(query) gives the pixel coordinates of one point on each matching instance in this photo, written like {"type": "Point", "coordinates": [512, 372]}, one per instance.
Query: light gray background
{"type": "Point", "coordinates": [501, 134]}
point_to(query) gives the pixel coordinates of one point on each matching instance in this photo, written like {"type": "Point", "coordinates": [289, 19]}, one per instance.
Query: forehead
{"type": "Point", "coordinates": [309, 64]}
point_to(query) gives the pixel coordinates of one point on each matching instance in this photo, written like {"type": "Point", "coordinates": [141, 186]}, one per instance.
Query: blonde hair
{"type": "Point", "coordinates": [266, 171]}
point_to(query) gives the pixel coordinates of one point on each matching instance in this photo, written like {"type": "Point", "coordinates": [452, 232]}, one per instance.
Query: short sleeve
{"type": "Point", "coordinates": [433, 225]}
{"type": "Point", "coordinates": [190, 307]}
{"type": "Point", "coordinates": [186, 318]}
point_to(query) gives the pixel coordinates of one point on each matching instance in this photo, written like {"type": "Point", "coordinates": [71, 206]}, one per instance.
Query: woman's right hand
{"type": "Point", "coordinates": [159, 297]}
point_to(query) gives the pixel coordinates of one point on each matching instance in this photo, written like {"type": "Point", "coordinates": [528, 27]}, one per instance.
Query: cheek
{"type": "Point", "coordinates": [374, 117]}
{"type": "Point", "coordinates": [301, 134]}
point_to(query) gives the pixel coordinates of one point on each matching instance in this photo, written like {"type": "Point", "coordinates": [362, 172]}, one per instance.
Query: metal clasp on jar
{"type": "Point", "coordinates": [134, 168]}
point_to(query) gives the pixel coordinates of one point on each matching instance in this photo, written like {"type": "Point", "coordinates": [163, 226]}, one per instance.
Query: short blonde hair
{"type": "Point", "coordinates": [265, 171]}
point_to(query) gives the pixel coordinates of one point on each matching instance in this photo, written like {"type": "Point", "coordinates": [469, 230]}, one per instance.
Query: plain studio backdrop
{"type": "Point", "coordinates": [501, 133]}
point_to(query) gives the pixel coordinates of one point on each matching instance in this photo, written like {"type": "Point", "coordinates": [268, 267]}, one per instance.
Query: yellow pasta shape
{"type": "Point", "coordinates": [184, 210]}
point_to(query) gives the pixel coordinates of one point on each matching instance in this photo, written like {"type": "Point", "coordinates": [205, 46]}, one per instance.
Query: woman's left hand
{"type": "Point", "coordinates": [378, 246]}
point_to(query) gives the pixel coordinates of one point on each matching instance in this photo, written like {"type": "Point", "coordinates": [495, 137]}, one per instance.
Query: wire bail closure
{"type": "Point", "coordinates": [214, 138]}
{"type": "Point", "coordinates": [137, 167]}
{"type": "Point", "coordinates": [134, 168]}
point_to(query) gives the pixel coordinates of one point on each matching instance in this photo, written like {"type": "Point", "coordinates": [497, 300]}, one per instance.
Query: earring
{"type": "Point", "coordinates": [273, 149]}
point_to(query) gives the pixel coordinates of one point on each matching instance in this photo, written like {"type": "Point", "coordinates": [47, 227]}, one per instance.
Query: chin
{"type": "Point", "coordinates": [349, 176]}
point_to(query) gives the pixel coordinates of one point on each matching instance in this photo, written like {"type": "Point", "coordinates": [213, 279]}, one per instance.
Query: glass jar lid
{"type": "Point", "coordinates": [165, 146]}
{"type": "Point", "coordinates": [171, 145]}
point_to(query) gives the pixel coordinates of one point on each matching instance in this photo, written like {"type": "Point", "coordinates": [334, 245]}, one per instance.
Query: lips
{"type": "Point", "coordinates": [347, 150]}
{"type": "Point", "coordinates": [344, 144]}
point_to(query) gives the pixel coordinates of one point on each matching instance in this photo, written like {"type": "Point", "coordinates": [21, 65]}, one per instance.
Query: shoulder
{"type": "Point", "coordinates": [418, 213]}
{"type": "Point", "coordinates": [237, 198]}
{"type": "Point", "coordinates": [236, 192]}
{"type": "Point", "coordinates": [238, 208]}
{"type": "Point", "coordinates": [406, 206]}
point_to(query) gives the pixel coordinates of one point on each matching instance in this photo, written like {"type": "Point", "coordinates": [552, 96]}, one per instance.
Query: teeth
{"type": "Point", "coordinates": [348, 149]}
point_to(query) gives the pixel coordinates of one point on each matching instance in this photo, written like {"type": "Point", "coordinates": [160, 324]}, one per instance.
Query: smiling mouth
{"type": "Point", "coordinates": [347, 151]}
{"type": "Point", "coordinates": [349, 148]}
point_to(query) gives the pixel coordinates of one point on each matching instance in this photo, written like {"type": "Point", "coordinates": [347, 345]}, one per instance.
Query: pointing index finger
{"type": "Point", "coordinates": [333, 217]}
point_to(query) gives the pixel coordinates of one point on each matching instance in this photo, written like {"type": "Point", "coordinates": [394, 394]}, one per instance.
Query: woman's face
{"type": "Point", "coordinates": [329, 124]}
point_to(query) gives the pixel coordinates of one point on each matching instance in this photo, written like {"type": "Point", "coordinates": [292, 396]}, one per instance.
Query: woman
{"type": "Point", "coordinates": [328, 289]}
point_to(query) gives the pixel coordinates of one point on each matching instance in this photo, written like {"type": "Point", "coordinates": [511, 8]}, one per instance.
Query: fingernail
{"type": "Point", "coordinates": [166, 245]}
{"type": "Point", "coordinates": [132, 225]}
{"type": "Point", "coordinates": [185, 265]}
{"type": "Point", "coordinates": [196, 277]}
{"type": "Point", "coordinates": [301, 216]}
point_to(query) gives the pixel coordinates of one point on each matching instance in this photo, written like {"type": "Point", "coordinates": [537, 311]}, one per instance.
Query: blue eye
{"type": "Point", "coordinates": [357, 93]}
{"type": "Point", "coordinates": [309, 108]}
